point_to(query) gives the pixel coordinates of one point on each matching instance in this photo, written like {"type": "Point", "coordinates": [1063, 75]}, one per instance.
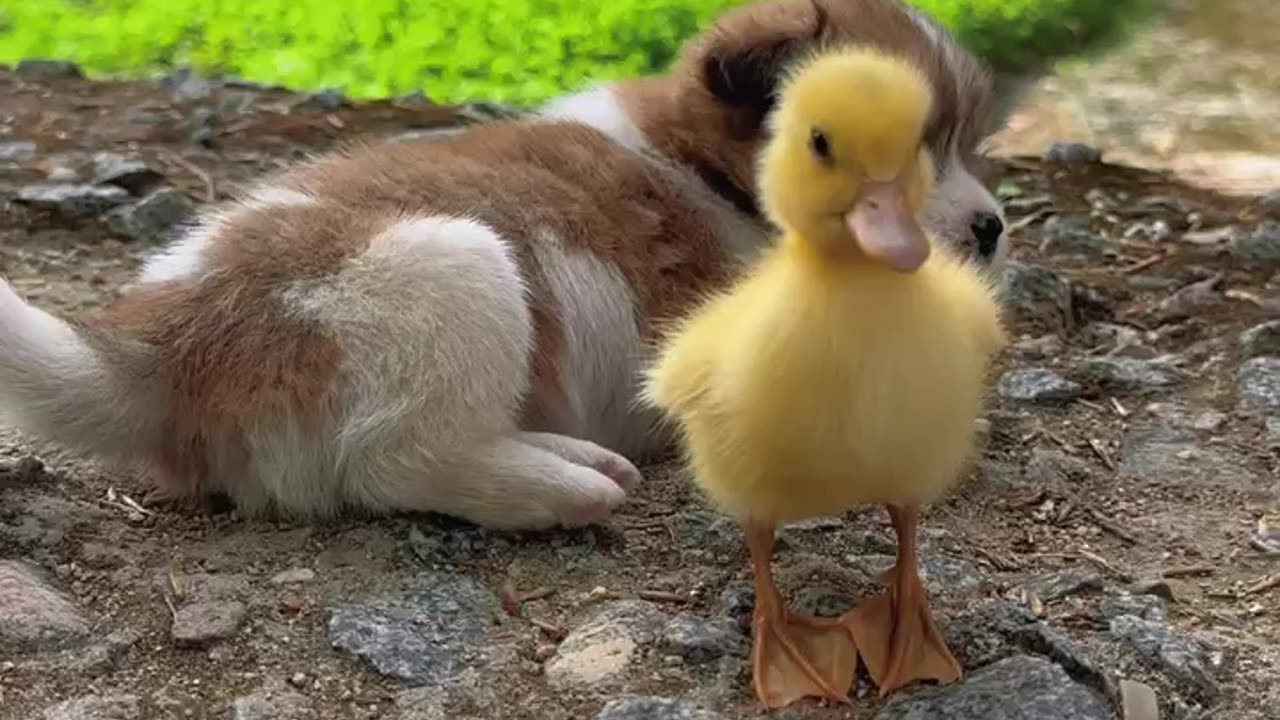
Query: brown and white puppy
{"type": "Point", "coordinates": [458, 325]}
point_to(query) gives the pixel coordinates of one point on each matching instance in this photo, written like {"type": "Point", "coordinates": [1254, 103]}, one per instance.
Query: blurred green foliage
{"type": "Point", "coordinates": [515, 51]}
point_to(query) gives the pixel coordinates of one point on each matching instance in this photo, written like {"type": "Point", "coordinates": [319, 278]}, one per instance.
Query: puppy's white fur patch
{"type": "Point", "coordinates": [599, 108]}
{"type": "Point", "coordinates": [436, 338]}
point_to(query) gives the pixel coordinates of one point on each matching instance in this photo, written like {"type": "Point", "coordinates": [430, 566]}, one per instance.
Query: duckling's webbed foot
{"type": "Point", "coordinates": [794, 656]}
{"type": "Point", "coordinates": [895, 631]}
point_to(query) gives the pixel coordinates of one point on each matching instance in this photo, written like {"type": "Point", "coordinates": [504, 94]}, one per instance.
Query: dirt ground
{"type": "Point", "coordinates": [1140, 472]}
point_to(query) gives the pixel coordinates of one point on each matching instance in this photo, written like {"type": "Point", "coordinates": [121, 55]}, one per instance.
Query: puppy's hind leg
{"type": "Point", "coordinates": [437, 335]}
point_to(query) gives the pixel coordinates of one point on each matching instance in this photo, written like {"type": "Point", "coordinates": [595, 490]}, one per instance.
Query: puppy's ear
{"type": "Point", "coordinates": [742, 60]}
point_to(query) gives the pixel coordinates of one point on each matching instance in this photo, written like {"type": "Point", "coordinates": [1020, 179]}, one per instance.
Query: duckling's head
{"type": "Point", "coordinates": [846, 171]}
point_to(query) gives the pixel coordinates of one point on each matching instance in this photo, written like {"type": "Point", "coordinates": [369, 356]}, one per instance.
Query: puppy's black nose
{"type": "Point", "coordinates": [987, 229]}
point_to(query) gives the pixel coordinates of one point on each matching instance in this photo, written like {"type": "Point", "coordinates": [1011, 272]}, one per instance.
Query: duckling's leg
{"type": "Point", "coordinates": [895, 631]}
{"type": "Point", "coordinates": [793, 656]}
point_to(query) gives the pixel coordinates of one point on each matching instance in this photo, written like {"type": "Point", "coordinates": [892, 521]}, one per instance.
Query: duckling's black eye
{"type": "Point", "coordinates": [820, 144]}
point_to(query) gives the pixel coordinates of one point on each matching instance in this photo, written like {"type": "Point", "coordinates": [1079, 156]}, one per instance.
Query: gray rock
{"type": "Point", "coordinates": [88, 661]}
{"type": "Point", "coordinates": [1016, 688]}
{"type": "Point", "coordinates": [46, 68]}
{"type": "Point", "coordinates": [1109, 336]}
{"type": "Point", "coordinates": [324, 101]}
{"type": "Point", "coordinates": [1054, 470]}
{"type": "Point", "coordinates": [203, 623]}
{"type": "Point", "coordinates": [1001, 629]}
{"type": "Point", "coordinates": [17, 150]}
{"type": "Point", "coordinates": [152, 218]}
{"type": "Point", "coordinates": [131, 174]}
{"type": "Point", "coordinates": [603, 648]}
{"type": "Point", "coordinates": [1041, 300]}
{"type": "Point", "coordinates": [201, 127]}
{"type": "Point", "coordinates": [187, 86]}
{"type": "Point", "coordinates": [1177, 656]}
{"type": "Point", "coordinates": [653, 708]}
{"type": "Point", "coordinates": [946, 574]}
{"type": "Point", "coordinates": [71, 200]}
{"type": "Point", "coordinates": [1190, 300]}
{"type": "Point", "coordinates": [1066, 583]}
{"type": "Point", "coordinates": [1258, 385]}
{"type": "Point", "coordinates": [1209, 421]}
{"type": "Point", "coordinates": [481, 112]}
{"type": "Point", "coordinates": [96, 707]}
{"type": "Point", "coordinates": [1145, 606]}
{"type": "Point", "coordinates": [1269, 204]}
{"type": "Point", "coordinates": [1159, 452]}
{"type": "Point", "coordinates": [34, 616]}
{"type": "Point", "coordinates": [1072, 153]}
{"type": "Point", "coordinates": [1071, 235]}
{"type": "Point", "coordinates": [424, 633]}
{"type": "Point", "coordinates": [821, 601]}
{"type": "Point", "coordinates": [1036, 385]}
{"type": "Point", "coordinates": [699, 640]}
{"type": "Point", "coordinates": [1261, 248]}
{"type": "Point", "coordinates": [1261, 339]}
{"type": "Point", "coordinates": [707, 531]}
{"type": "Point", "coordinates": [737, 602]}
{"type": "Point", "coordinates": [472, 689]}
{"type": "Point", "coordinates": [1272, 434]}
{"type": "Point", "coordinates": [1121, 374]}
{"type": "Point", "coordinates": [274, 702]}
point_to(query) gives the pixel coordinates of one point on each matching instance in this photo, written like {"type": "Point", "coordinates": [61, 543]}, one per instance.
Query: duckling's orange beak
{"type": "Point", "coordinates": [886, 229]}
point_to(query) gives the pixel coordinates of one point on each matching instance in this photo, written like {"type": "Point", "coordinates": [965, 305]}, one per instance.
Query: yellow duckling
{"type": "Point", "coordinates": [847, 367]}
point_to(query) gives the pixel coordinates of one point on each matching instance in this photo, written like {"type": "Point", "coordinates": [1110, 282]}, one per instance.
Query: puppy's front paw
{"type": "Point", "coordinates": [618, 469]}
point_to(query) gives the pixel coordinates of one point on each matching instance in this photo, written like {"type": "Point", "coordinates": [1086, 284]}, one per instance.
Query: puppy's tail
{"type": "Point", "coordinates": [66, 385]}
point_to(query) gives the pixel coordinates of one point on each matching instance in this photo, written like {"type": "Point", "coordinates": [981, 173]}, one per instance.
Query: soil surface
{"type": "Point", "coordinates": [1121, 525]}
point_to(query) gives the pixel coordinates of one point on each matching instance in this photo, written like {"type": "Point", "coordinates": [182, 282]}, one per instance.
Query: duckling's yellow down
{"type": "Point", "coordinates": [811, 387]}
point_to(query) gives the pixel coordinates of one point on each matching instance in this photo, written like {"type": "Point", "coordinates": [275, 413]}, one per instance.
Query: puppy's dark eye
{"type": "Point", "coordinates": [820, 144]}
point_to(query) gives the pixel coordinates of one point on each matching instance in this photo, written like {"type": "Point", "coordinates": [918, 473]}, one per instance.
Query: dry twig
{"type": "Point", "coordinates": [662, 596]}
{"type": "Point", "coordinates": [1101, 521]}
{"type": "Point", "coordinates": [210, 189]}
{"type": "Point", "coordinates": [1106, 566]}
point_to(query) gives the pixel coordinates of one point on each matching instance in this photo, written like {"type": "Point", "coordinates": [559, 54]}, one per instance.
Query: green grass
{"type": "Point", "coordinates": [515, 51]}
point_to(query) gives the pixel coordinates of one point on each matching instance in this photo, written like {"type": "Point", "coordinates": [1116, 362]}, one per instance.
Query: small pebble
{"type": "Point", "coordinates": [1072, 153]}
{"type": "Point", "coordinates": [294, 576]}
{"type": "Point", "coordinates": [1139, 701]}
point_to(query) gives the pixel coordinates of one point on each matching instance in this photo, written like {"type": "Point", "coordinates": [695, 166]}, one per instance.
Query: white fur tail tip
{"type": "Point", "coordinates": [55, 385]}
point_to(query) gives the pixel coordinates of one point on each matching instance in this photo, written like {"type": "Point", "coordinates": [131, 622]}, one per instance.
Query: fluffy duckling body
{"type": "Point", "coordinates": [847, 367]}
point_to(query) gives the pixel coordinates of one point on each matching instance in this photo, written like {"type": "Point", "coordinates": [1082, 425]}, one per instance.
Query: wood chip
{"type": "Point", "coordinates": [1101, 452]}
{"type": "Point", "coordinates": [1189, 571]}
{"type": "Point", "coordinates": [509, 599]}
{"type": "Point", "coordinates": [1121, 410]}
{"type": "Point", "coordinates": [1142, 264]}
{"type": "Point", "coordinates": [999, 562]}
{"type": "Point", "coordinates": [1263, 585]}
{"type": "Point", "coordinates": [554, 633]}
{"type": "Point", "coordinates": [537, 594]}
